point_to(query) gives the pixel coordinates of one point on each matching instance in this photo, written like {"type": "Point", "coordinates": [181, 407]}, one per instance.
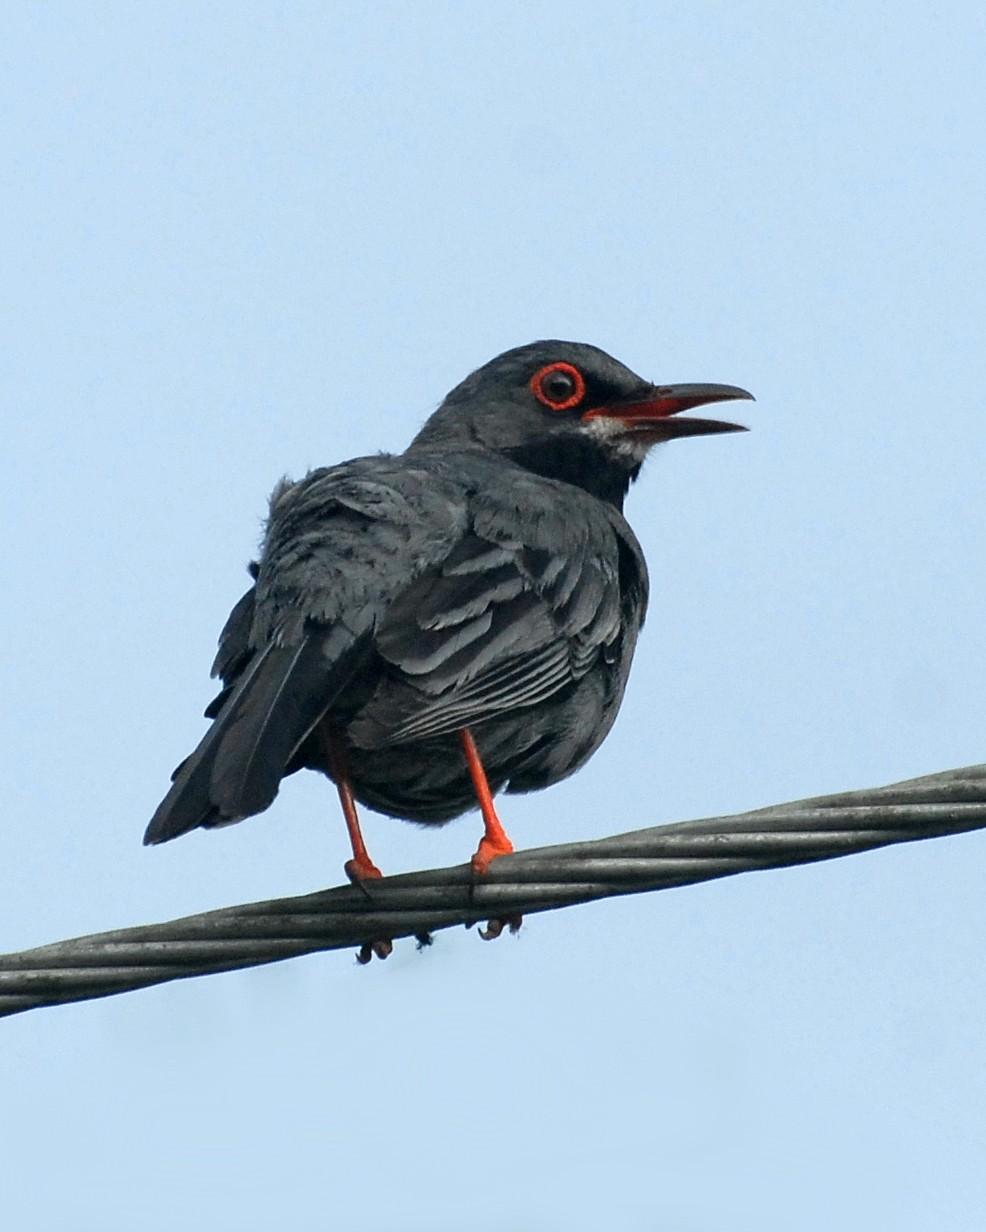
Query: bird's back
{"type": "Point", "coordinates": [400, 599]}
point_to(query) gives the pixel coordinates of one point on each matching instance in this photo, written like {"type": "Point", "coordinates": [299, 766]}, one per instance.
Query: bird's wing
{"type": "Point", "coordinates": [235, 651]}
{"type": "Point", "coordinates": [524, 605]}
{"type": "Point", "coordinates": [341, 545]}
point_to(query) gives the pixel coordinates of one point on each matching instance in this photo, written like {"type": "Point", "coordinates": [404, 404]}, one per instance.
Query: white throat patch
{"type": "Point", "coordinates": [622, 446]}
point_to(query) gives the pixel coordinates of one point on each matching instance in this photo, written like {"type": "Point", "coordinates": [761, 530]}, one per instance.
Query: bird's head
{"type": "Point", "coordinates": [570, 411]}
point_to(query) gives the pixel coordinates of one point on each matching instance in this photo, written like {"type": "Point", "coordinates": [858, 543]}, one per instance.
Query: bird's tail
{"type": "Point", "coordinates": [238, 765]}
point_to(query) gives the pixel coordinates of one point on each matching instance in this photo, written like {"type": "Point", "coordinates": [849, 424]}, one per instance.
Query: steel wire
{"type": "Point", "coordinates": [542, 879]}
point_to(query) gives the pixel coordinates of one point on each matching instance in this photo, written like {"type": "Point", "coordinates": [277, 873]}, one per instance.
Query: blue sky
{"type": "Point", "coordinates": [246, 239]}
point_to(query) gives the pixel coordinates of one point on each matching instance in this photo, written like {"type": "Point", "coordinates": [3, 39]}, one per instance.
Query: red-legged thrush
{"type": "Point", "coordinates": [433, 627]}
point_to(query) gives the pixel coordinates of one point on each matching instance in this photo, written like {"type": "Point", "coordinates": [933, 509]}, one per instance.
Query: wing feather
{"type": "Point", "coordinates": [340, 546]}
{"type": "Point", "coordinates": [498, 625]}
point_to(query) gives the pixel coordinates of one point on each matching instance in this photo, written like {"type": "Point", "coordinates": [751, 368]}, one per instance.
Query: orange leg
{"type": "Point", "coordinates": [494, 841]}
{"type": "Point", "coordinates": [360, 867]}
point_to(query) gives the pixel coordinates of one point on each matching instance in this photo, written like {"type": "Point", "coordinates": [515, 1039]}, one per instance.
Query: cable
{"type": "Point", "coordinates": [418, 904]}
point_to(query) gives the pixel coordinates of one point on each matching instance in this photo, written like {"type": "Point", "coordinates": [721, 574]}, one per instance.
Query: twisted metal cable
{"type": "Point", "coordinates": [418, 904]}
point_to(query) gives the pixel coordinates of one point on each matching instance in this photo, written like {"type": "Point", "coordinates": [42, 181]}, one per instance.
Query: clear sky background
{"type": "Point", "coordinates": [245, 239]}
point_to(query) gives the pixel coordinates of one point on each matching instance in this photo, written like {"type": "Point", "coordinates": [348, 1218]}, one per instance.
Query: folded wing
{"type": "Point", "coordinates": [340, 546]}
{"type": "Point", "coordinates": [504, 621]}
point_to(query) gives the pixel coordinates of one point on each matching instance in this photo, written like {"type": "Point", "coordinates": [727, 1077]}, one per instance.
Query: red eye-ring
{"type": "Point", "coordinates": [559, 386]}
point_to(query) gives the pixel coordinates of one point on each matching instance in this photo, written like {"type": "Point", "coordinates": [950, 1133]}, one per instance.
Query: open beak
{"type": "Point", "coordinates": [652, 415]}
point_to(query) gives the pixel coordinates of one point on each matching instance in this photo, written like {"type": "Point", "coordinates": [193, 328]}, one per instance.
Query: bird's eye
{"type": "Point", "coordinates": [559, 386]}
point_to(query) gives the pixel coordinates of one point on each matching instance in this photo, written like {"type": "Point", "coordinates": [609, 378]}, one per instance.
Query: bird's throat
{"type": "Point", "coordinates": [580, 461]}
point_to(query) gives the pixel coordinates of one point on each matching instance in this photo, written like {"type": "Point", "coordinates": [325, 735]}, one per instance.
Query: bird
{"type": "Point", "coordinates": [431, 628]}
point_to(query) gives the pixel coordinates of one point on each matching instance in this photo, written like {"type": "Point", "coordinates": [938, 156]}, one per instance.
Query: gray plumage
{"type": "Point", "coordinates": [485, 578]}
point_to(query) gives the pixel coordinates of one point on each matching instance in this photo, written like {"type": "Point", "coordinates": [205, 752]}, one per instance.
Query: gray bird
{"type": "Point", "coordinates": [433, 627]}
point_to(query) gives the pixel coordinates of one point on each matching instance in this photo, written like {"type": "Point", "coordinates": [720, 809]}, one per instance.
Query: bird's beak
{"type": "Point", "coordinates": [651, 415]}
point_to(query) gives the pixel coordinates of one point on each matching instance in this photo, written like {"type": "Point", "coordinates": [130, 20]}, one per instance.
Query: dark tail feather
{"type": "Point", "coordinates": [189, 804]}
{"type": "Point", "coordinates": [237, 768]}
{"type": "Point", "coordinates": [280, 712]}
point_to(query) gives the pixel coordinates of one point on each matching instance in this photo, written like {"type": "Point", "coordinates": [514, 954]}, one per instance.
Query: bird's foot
{"type": "Point", "coordinates": [491, 847]}
{"type": "Point", "coordinates": [369, 949]}
{"type": "Point", "coordinates": [494, 928]}
{"type": "Point", "coordinates": [487, 851]}
{"type": "Point", "coordinates": [361, 868]}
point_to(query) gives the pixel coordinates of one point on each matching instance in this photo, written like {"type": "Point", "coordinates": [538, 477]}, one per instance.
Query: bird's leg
{"type": "Point", "coordinates": [360, 867]}
{"type": "Point", "coordinates": [494, 841]}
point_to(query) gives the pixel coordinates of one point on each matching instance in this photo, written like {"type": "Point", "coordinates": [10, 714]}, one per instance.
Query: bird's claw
{"type": "Point", "coordinates": [381, 949]}
{"type": "Point", "coordinates": [494, 928]}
